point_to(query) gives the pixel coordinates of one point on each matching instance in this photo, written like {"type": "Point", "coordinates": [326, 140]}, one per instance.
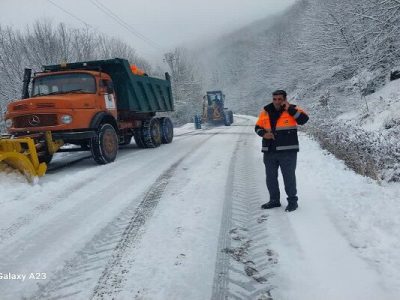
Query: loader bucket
{"type": "Point", "coordinates": [20, 154]}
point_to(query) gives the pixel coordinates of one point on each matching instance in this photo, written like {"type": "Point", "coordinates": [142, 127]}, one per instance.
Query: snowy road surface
{"type": "Point", "coordinates": [183, 222]}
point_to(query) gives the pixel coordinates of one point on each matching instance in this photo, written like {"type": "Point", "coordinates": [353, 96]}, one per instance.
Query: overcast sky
{"type": "Point", "coordinates": [166, 23]}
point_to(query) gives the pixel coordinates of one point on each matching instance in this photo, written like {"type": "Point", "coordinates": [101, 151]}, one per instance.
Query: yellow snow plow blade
{"type": "Point", "coordinates": [20, 154]}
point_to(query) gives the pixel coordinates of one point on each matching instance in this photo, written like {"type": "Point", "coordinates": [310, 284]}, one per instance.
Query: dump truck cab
{"type": "Point", "coordinates": [96, 105]}
{"type": "Point", "coordinates": [63, 101]}
{"type": "Point", "coordinates": [72, 100]}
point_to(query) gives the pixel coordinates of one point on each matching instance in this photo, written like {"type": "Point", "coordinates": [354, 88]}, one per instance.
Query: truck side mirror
{"type": "Point", "coordinates": [106, 87]}
{"type": "Point", "coordinates": [110, 89]}
{"type": "Point", "coordinates": [25, 86]}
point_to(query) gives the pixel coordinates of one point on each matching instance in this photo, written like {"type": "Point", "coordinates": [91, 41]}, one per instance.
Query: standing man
{"type": "Point", "coordinates": [277, 125]}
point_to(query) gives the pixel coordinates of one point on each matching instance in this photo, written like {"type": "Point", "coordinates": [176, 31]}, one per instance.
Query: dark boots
{"type": "Point", "coordinates": [271, 204]}
{"type": "Point", "coordinates": [291, 206]}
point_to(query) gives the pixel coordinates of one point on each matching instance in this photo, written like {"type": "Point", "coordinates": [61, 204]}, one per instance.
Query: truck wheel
{"type": "Point", "coordinates": [137, 135]}
{"type": "Point", "coordinates": [167, 130]}
{"type": "Point", "coordinates": [197, 122]}
{"type": "Point", "coordinates": [151, 133]}
{"type": "Point", "coordinates": [104, 144]}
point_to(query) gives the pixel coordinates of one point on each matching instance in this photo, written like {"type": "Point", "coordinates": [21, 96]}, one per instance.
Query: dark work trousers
{"type": "Point", "coordinates": [287, 161]}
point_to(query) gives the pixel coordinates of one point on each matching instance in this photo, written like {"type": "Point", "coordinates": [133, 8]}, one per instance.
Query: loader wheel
{"type": "Point", "coordinates": [231, 117]}
{"type": "Point", "coordinates": [226, 119]}
{"type": "Point", "coordinates": [137, 135]}
{"type": "Point", "coordinates": [151, 133]}
{"type": "Point", "coordinates": [104, 145]}
{"type": "Point", "coordinates": [197, 122]}
{"type": "Point", "coordinates": [167, 130]}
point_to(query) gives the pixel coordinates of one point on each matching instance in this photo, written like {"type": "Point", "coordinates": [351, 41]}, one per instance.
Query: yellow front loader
{"type": "Point", "coordinates": [21, 153]}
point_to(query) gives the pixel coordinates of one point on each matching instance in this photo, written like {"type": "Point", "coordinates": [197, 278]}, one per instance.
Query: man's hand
{"type": "Point", "coordinates": [285, 105]}
{"type": "Point", "coordinates": [269, 135]}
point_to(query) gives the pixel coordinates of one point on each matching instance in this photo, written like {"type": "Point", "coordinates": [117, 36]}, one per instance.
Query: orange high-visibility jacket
{"type": "Point", "coordinates": [283, 124]}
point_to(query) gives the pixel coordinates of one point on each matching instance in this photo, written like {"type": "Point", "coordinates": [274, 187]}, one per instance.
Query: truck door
{"type": "Point", "coordinates": [107, 88]}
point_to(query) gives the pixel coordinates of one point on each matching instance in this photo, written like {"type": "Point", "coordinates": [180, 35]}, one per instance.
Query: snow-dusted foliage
{"type": "Point", "coordinates": [186, 85]}
{"type": "Point", "coordinates": [329, 55]}
{"type": "Point", "coordinates": [372, 153]}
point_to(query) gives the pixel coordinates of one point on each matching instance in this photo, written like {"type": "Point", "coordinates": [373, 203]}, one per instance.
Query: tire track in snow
{"type": "Point", "coordinates": [244, 262]}
{"type": "Point", "coordinates": [56, 196]}
{"type": "Point", "coordinates": [111, 280]}
{"type": "Point", "coordinates": [108, 256]}
{"type": "Point", "coordinates": [25, 220]}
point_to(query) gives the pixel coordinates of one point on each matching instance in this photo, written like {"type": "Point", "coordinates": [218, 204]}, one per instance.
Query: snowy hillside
{"type": "Point", "coordinates": [335, 59]}
{"type": "Point", "coordinates": [367, 138]}
{"type": "Point", "coordinates": [183, 221]}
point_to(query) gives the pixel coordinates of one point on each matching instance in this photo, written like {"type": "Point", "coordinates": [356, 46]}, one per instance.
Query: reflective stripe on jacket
{"type": "Point", "coordinates": [283, 124]}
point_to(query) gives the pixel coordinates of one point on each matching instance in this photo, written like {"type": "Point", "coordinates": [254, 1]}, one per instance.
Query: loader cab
{"type": "Point", "coordinates": [214, 111]}
{"type": "Point", "coordinates": [215, 98]}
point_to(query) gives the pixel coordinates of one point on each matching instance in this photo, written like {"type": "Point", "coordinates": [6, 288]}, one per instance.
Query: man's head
{"type": "Point", "coordinates": [278, 98]}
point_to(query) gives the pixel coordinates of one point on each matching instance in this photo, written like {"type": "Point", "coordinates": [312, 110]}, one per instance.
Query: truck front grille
{"type": "Point", "coordinates": [20, 107]}
{"type": "Point", "coordinates": [45, 105]}
{"type": "Point", "coordinates": [39, 120]}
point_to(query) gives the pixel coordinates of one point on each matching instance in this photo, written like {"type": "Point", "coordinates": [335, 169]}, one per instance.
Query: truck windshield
{"type": "Point", "coordinates": [63, 84]}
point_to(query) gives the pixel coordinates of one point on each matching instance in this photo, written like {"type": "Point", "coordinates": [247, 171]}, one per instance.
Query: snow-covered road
{"type": "Point", "coordinates": [183, 222]}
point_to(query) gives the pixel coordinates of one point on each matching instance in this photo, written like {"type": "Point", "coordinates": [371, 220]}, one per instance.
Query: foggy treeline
{"type": "Point", "coordinates": [47, 43]}
{"type": "Point", "coordinates": [312, 42]}
{"type": "Point", "coordinates": [329, 55]}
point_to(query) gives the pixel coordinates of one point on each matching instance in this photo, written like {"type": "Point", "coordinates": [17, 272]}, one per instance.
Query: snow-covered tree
{"type": "Point", "coordinates": [186, 84]}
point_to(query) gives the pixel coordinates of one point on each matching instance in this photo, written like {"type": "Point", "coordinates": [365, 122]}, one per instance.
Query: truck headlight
{"type": "Point", "coordinates": [66, 119]}
{"type": "Point", "coordinates": [9, 123]}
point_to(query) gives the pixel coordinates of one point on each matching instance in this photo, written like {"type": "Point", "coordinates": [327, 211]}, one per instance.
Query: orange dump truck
{"type": "Point", "coordinates": [95, 105]}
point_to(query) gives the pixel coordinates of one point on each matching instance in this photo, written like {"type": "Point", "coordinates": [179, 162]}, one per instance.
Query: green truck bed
{"type": "Point", "coordinates": [134, 93]}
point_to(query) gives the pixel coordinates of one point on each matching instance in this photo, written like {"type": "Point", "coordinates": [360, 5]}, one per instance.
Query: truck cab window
{"type": "Point", "coordinates": [63, 84]}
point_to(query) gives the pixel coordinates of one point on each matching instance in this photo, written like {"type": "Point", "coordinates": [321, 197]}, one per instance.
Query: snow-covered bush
{"type": "Point", "coordinates": [187, 86]}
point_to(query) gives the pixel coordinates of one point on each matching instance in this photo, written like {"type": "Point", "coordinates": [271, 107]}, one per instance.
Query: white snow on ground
{"type": "Point", "coordinates": [177, 256]}
{"type": "Point", "coordinates": [384, 107]}
{"type": "Point", "coordinates": [342, 242]}
{"type": "Point", "coordinates": [189, 127]}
